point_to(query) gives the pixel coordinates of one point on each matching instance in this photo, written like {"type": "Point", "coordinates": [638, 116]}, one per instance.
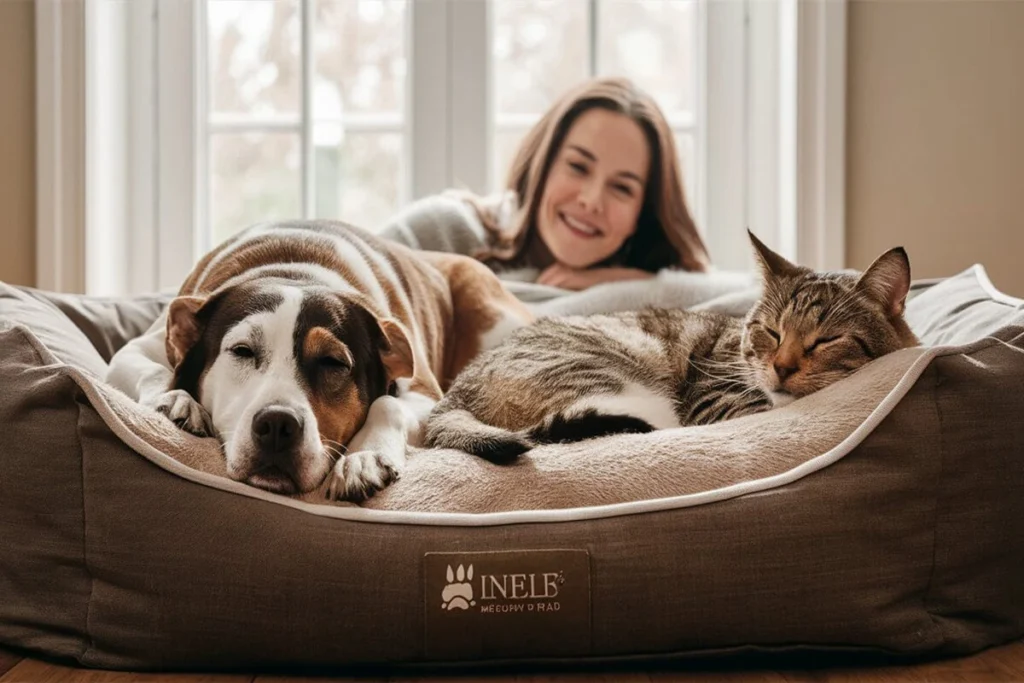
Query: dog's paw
{"type": "Point", "coordinates": [358, 476]}
{"type": "Point", "coordinates": [184, 411]}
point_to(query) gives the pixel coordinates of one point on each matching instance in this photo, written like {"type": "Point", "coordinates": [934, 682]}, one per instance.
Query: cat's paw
{"type": "Point", "coordinates": [359, 476]}
{"type": "Point", "coordinates": [179, 407]}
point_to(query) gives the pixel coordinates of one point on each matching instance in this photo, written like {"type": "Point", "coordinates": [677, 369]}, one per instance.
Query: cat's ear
{"type": "Point", "coordinates": [770, 263]}
{"type": "Point", "coordinates": [887, 281]}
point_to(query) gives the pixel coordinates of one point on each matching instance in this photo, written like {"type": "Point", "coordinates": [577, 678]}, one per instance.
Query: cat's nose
{"type": "Point", "coordinates": [784, 371]}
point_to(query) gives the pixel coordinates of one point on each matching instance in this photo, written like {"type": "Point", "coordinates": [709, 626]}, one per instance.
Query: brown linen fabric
{"type": "Point", "coordinates": [909, 543]}
{"type": "Point", "coordinates": [108, 323]}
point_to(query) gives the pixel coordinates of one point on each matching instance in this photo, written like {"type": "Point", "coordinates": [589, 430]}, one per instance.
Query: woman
{"type": "Point", "coordinates": [594, 195]}
{"type": "Point", "coordinates": [599, 193]}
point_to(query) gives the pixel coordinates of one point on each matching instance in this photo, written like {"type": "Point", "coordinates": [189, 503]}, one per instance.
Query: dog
{"type": "Point", "coordinates": [314, 349]}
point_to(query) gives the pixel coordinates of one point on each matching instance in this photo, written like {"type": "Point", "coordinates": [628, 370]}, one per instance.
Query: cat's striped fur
{"type": "Point", "coordinates": [568, 379]}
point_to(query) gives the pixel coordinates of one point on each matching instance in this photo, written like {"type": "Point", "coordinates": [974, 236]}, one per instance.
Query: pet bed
{"type": "Point", "coordinates": [885, 514]}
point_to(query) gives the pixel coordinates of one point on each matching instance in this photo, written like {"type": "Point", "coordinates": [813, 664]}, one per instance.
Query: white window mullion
{"type": "Point", "coordinates": [426, 125]}
{"type": "Point", "coordinates": [143, 264]}
{"type": "Point", "coordinates": [306, 131]}
{"type": "Point", "coordinates": [240, 123]}
{"type": "Point", "coordinates": [181, 140]}
{"type": "Point", "coordinates": [593, 28]}
{"type": "Point", "coordinates": [472, 97]}
{"type": "Point", "coordinates": [722, 146]}
{"type": "Point", "coordinates": [764, 179]}
{"type": "Point", "coordinates": [820, 124]}
{"type": "Point", "coordinates": [107, 177]}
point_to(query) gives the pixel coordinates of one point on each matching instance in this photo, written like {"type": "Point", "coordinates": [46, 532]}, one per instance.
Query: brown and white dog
{"type": "Point", "coordinates": [295, 341]}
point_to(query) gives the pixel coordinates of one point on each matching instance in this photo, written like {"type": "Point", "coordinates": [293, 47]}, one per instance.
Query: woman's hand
{"type": "Point", "coordinates": [559, 275]}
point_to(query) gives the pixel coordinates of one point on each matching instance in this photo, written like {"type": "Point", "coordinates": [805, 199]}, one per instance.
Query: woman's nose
{"type": "Point", "coordinates": [590, 197]}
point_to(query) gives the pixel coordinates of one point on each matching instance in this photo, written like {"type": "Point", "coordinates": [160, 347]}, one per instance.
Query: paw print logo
{"type": "Point", "coordinates": [458, 593]}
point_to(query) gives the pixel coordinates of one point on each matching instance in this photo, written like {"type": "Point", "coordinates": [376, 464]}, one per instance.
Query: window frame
{"type": "Point", "coordinates": [790, 131]}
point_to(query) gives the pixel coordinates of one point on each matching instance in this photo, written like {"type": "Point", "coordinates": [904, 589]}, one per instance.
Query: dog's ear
{"type": "Point", "coordinates": [183, 327]}
{"type": "Point", "coordinates": [396, 350]}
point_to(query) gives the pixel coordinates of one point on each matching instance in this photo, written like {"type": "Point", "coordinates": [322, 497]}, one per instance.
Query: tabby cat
{"type": "Point", "coordinates": [574, 378]}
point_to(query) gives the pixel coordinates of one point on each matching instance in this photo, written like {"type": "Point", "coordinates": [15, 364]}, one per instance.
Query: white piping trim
{"type": "Point", "coordinates": [356, 514]}
{"type": "Point", "coordinates": [990, 289]}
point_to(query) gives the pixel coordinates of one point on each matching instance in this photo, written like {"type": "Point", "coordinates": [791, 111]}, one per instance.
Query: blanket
{"type": "Point", "coordinates": [610, 470]}
{"type": "Point", "coordinates": [447, 223]}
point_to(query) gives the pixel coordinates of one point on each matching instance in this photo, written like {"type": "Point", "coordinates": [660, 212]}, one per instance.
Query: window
{"type": "Point", "coordinates": [193, 118]}
{"type": "Point", "coordinates": [305, 110]}
{"type": "Point", "coordinates": [306, 100]}
{"type": "Point", "coordinates": [540, 48]}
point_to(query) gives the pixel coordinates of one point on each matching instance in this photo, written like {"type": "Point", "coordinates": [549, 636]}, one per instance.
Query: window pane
{"type": "Point", "coordinates": [540, 49]}
{"type": "Point", "coordinates": [358, 175]}
{"type": "Point", "coordinates": [254, 177]}
{"type": "Point", "coordinates": [254, 56]}
{"type": "Point", "coordinates": [359, 55]}
{"type": "Point", "coordinates": [687, 165]}
{"type": "Point", "coordinates": [652, 42]}
{"type": "Point", "coordinates": [506, 143]}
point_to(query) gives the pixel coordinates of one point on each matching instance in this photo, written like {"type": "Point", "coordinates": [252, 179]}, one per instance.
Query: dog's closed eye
{"type": "Point", "coordinates": [332, 364]}
{"type": "Point", "coordinates": [327, 352]}
{"type": "Point", "coordinates": [242, 351]}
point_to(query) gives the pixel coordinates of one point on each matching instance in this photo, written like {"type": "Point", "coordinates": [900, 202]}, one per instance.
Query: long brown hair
{"type": "Point", "coordinates": [665, 236]}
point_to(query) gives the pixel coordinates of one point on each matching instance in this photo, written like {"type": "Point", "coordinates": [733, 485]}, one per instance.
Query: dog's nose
{"type": "Point", "coordinates": [276, 429]}
{"type": "Point", "coordinates": [784, 371]}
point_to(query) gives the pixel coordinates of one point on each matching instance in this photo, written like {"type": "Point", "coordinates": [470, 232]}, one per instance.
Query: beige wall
{"type": "Point", "coordinates": [935, 145]}
{"type": "Point", "coordinates": [17, 142]}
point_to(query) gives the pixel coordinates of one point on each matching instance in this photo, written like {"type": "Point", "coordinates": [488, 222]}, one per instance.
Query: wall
{"type": "Point", "coordinates": [935, 142]}
{"type": "Point", "coordinates": [17, 142]}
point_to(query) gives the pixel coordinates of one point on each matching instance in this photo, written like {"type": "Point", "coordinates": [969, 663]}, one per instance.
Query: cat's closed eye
{"type": "Point", "coordinates": [821, 341]}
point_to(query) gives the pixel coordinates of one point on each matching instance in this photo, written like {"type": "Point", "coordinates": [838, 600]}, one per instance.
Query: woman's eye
{"type": "Point", "coordinates": [821, 340]}
{"type": "Point", "coordinates": [578, 167]}
{"type": "Point", "coordinates": [332, 363]}
{"type": "Point", "coordinates": [242, 351]}
{"type": "Point", "coordinates": [624, 190]}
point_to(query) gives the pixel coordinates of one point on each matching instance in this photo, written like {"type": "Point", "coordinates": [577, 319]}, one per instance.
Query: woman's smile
{"type": "Point", "coordinates": [579, 227]}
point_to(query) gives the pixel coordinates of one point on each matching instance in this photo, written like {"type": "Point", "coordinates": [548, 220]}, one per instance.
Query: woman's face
{"type": "Point", "coordinates": [595, 189]}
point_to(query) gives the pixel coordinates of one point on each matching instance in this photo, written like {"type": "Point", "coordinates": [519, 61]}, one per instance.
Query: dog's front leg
{"type": "Point", "coordinates": [141, 370]}
{"type": "Point", "coordinates": [376, 454]}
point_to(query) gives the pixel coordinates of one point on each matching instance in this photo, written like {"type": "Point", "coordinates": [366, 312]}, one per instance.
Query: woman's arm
{"type": "Point", "coordinates": [563, 276]}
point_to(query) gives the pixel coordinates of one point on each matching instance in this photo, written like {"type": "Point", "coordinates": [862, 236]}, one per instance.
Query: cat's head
{"type": "Point", "coordinates": [811, 329]}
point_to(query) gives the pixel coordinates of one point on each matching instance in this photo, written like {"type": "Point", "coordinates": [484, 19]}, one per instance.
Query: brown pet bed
{"type": "Point", "coordinates": [885, 513]}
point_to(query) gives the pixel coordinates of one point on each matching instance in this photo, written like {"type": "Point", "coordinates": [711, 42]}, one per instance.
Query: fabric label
{"type": "Point", "coordinates": [519, 603]}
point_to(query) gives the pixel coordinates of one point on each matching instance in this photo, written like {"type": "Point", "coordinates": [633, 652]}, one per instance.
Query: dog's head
{"type": "Point", "coordinates": [287, 374]}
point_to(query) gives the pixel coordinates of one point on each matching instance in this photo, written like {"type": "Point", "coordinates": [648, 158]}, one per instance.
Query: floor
{"type": "Point", "coordinates": [1004, 663]}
